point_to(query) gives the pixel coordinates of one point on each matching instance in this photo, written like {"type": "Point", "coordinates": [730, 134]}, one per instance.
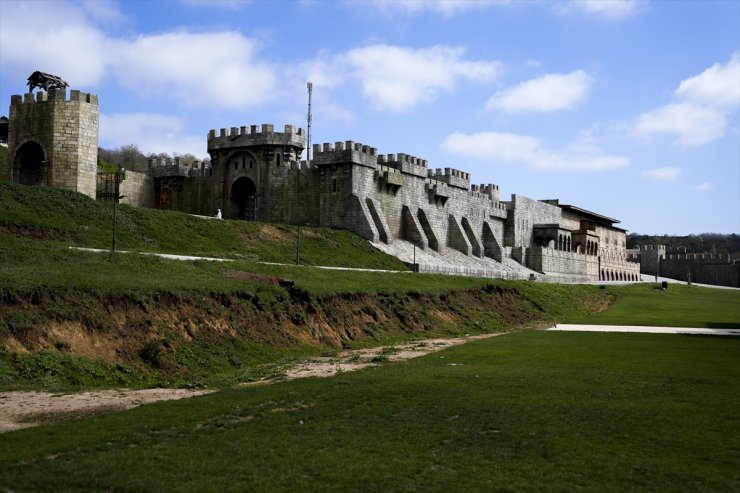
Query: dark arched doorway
{"type": "Point", "coordinates": [29, 165]}
{"type": "Point", "coordinates": [243, 200]}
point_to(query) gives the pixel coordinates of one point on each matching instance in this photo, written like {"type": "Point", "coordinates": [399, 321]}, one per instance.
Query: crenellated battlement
{"type": "Point", "coordinates": [405, 163]}
{"type": "Point", "coordinates": [451, 176]}
{"type": "Point", "coordinates": [18, 101]}
{"type": "Point", "coordinates": [698, 256]}
{"type": "Point", "coordinates": [167, 167]}
{"type": "Point", "coordinates": [660, 249]}
{"type": "Point", "coordinates": [348, 145]}
{"type": "Point", "coordinates": [255, 135]}
{"type": "Point", "coordinates": [348, 152]}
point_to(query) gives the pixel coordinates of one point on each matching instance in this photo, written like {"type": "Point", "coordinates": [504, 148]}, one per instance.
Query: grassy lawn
{"type": "Point", "coordinates": [678, 306]}
{"type": "Point", "coordinates": [527, 411]}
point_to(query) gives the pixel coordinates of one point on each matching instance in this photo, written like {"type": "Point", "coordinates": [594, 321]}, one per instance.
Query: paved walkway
{"type": "Point", "coordinates": [645, 329]}
{"type": "Point", "coordinates": [508, 265]}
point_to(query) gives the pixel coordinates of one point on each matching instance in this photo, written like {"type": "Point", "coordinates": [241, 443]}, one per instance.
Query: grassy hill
{"type": "Point", "coordinates": [527, 411]}
{"type": "Point", "coordinates": [69, 218]}
{"type": "Point", "coordinates": [75, 319]}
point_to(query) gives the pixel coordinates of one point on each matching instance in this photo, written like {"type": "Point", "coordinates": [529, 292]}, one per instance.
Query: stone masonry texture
{"type": "Point", "coordinates": [390, 199]}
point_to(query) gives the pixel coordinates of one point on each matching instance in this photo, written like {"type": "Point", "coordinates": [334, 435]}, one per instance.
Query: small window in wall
{"type": "Point", "coordinates": [236, 165]}
{"type": "Point", "coordinates": [334, 185]}
{"type": "Point", "coordinates": [277, 159]}
{"type": "Point", "coordinates": [251, 164]}
{"type": "Point", "coordinates": [244, 162]}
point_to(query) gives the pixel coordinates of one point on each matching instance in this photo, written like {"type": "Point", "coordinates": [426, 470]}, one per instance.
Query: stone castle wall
{"type": "Point", "coordinates": [65, 131]}
{"type": "Point", "coordinates": [255, 174]}
{"type": "Point", "coordinates": [526, 213]}
{"type": "Point", "coordinates": [702, 268]}
{"type": "Point", "coordinates": [396, 196]}
{"type": "Point", "coordinates": [138, 190]}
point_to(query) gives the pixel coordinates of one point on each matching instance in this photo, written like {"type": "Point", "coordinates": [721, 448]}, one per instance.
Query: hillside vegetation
{"type": "Point", "coordinates": [530, 410]}
{"type": "Point", "coordinates": [71, 318]}
{"type": "Point", "coordinates": [700, 243]}
{"type": "Point", "coordinates": [76, 318]}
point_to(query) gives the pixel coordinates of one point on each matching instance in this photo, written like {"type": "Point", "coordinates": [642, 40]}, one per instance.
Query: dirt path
{"type": "Point", "coordinates": [21, 409]}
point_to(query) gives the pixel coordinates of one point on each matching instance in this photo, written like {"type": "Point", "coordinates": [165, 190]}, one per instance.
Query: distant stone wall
{"type": "Point", "coordinates": [702, 268]}
{"type": "Point", "coordinates": [137, 189]}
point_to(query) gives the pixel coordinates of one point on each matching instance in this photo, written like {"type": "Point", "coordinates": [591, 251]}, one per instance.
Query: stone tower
{"type": "Point", "coordinates": [53, 141]}
{"type": "Point", "coordinates": [252, 168]}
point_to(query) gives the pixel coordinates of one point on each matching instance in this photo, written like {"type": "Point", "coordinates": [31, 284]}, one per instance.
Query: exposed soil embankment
{"type": "Point", "coordinates": [195, 334]}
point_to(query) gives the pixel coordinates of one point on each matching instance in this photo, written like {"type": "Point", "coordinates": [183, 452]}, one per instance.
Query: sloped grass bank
{"type": "Point", "coordinates": [678, 306]}
{"type": "Point", "coordinates": [527, 411]}
{"type": "Point", "coordinates": [70, 218]}
{"type": "Point", "coordinates": [67, 338]}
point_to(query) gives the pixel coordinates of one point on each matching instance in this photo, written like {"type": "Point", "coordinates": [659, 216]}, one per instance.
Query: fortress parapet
{"type": "Point", "coordinates": [171, 167]}
{"type": "Point", "coordinates": [349, 152]}
{"type": "Point", "coordinates": [255, 135]}
{"type": "Point", "coordinates": [17, 100]}
{"type": "Point", "coordinates": [490, 190]}
{"type": "Point", "coordinates": [453, 177]}
{"type": "Point", "coordinates": [405, 163]}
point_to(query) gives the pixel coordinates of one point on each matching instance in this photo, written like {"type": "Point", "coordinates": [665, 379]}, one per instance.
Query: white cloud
{"type": "Point", "coordinates": [219, 4]}
{"type": "Point", "coordinates": [581, 155]}
{"type": "Point", "coordinates": [550, 92]}
{"type": "Point", "coordinates": [612, 10]}
{"type": "Point", "coordinates": [324, 71]}
{"type": "Point", "coordinates": [666, 173]}
{"type": "Point", "coordinates": [396, 78]}
{"type": "Point", "coordinates": [73, 48]}
{"type": "Point", "coordinates": [703, 187]}
{"type": "Point", "coordinates": [693, 124]}
{"type": "Point", "coordinates": [103, 10]}
{"type": "Point", "coordinates": [151, 133]}
{"type": "Point", "coordinates": [411, 7]}
{"type": "Point", "coordinates": [718, 86]}
{"type": "Point", "coordinates": [199, 69]}
{"type": "Point", "coordinates": [705, 101]}
{"type": "Point", "coordinates": [218, 68]}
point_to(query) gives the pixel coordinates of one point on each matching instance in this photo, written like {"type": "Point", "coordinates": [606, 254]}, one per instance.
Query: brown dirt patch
{"type": "Point", "coordinates": [250, 276]}
{"type": "Point", "coordinates": [21, 409]}
{"type": "Point", "coordinates": [25, 409]}
{"type": "Point", "coordinates": [273, 233]}
{"type": "Point", "coordinates": [356, 359]}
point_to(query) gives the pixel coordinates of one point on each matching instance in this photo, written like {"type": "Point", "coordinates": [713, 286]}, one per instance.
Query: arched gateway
{"type": "Point", "coordinates": [243, 199]}
{"type": "Point", "coordinates": [29, 165]}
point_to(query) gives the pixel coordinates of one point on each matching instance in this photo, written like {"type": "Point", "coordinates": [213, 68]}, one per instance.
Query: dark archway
{"type": "Point", "coordinates": [30, 165]}
{"type": "Point", "coordinates": [243, 200]}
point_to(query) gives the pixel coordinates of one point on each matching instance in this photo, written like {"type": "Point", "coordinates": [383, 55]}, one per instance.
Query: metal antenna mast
{"type": "Point", "coordinates": [308, 133]}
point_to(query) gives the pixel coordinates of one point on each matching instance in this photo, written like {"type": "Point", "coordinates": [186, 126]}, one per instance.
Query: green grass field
{"type": "Point", "coordinates": [527, 411]}
{"type": "Point", "coordinates": [524, 411]}
{"type": "Point", "coordinates": [678, 306]}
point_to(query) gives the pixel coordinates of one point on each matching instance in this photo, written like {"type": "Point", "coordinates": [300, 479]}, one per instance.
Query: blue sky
{"type": "Point", "coordinates": [627, 108]}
